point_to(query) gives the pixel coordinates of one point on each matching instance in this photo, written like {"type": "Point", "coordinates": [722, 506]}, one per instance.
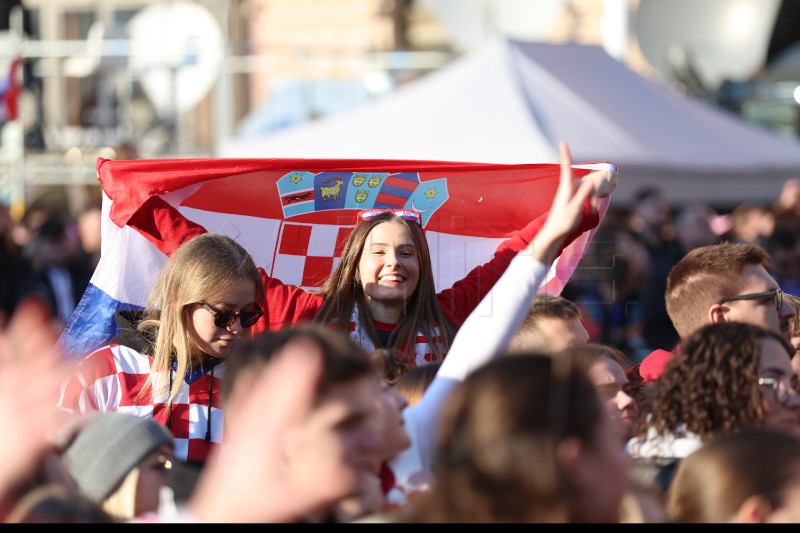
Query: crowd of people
{"type": "Point", "coordinates": [233, 397]}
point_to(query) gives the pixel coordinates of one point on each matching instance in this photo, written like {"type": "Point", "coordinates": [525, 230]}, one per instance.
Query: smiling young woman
{"type": "Point", "coordinates": [382, 291]}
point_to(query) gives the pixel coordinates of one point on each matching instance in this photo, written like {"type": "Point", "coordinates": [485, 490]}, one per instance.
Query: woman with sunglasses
{"type": "Point", "coordinates": [168, 364]}
{"type": "Point", "coordinates": [382, 290]}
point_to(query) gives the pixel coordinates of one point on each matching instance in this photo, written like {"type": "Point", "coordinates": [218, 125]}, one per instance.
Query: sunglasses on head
{"type": "Point", "coordinates": [223, 319]}
{"type": "Point", "coordinates": [406, 214]}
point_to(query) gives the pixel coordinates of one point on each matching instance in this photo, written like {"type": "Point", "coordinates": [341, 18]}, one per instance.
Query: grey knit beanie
{"type": "Point", "coordinates": [108, 447]}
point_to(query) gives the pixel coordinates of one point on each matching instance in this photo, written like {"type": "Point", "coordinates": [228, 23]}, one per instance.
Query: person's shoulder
{"type": "Point", "coordinates": [128, 333]}
{"type": "Point", "coordinates": [111, 359]}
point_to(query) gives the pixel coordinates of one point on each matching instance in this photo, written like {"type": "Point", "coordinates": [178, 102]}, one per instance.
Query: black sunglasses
{"type": "Point", "coordinates": [223, 319]}
{"type": "Point", "coordinates": [777, 294]}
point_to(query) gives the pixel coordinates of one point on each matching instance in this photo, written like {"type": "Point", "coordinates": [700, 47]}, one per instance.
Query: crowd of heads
{"type": "Point", "coordinates": [560, 420]}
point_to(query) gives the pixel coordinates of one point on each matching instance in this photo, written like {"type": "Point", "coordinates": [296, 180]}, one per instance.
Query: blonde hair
{"type": "Point", "coordinates": [121, 504]}
{"type": "Point", "coordinates": [199, 270]}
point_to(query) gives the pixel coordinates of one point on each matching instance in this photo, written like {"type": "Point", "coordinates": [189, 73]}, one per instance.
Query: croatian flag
{"type": "Point", "coordinates": [293, 216]}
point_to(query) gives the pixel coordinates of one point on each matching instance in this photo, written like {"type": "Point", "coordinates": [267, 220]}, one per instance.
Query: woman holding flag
{"type": "Point", "coordinates": [289, 214]}
{"type": "Point", "coordinates": [382, 291]}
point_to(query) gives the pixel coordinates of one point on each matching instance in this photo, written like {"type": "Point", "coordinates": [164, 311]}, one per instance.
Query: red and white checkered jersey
{"type": "Point", "coordinates": [111, 379]}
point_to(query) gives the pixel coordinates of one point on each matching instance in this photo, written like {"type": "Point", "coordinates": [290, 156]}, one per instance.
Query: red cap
{"type": "Point", "coordinates": [654, 364]}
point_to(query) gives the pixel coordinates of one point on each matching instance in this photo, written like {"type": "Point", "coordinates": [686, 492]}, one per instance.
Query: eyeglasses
{"type": "Point", "coordinates": [782, 390]}
{"type": "Point", "coordinates": [777, 294]}
{"type": "Point", "coordinates": [406, 214]}
{"type": "Point", "coordinates": [223, 319]}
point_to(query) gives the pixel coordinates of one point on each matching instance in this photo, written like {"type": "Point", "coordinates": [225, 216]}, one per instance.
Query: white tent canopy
{"type": "Point", "coordinates": [512, 101]}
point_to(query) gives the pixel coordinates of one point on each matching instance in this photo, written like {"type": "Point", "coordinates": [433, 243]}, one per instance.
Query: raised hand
{"type": "Point", "coordinates": [566, 210]}
{"type": "Point", "coordinates": [605, 182]}
{"type": "Point", "coordinates": [250, 480]}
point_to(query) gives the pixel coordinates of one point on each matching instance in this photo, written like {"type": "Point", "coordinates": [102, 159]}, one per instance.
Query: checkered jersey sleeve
{"type": "Point", "coordinates": [106, 379]}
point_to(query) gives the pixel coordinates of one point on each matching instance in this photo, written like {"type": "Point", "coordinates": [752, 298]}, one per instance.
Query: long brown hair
{"type": "Point", "coordinates": [421, 313]}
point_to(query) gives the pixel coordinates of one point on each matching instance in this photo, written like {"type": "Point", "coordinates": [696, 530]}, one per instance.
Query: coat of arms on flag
{"type": "Point", "coordinates": [307, 253]}
{"type": "Point", "coordinates": [293, 216]}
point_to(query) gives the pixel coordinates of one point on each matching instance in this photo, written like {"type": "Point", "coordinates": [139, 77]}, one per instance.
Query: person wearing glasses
{"type": "Point", "coordinates": [169, 365]}
{"type": "Point", "coordinates": [382, 290]}
{"type": "Point", "coordinates": [721, 283]}
{"type": "Point", "coordinates": [726, 376]}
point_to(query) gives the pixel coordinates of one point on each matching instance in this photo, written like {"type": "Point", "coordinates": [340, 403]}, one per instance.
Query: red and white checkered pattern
{"type": "Point", "coordinates": [111, 379]}
{"type": "Point", "coordinates": [307, 254]}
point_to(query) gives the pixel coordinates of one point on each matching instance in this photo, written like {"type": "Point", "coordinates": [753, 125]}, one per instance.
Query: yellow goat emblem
{"type": "Point", "coordinates": [331, 192]}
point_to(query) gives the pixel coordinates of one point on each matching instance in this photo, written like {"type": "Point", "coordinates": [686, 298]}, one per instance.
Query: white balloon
{"type": "Point", "coordinates": [177, 49]}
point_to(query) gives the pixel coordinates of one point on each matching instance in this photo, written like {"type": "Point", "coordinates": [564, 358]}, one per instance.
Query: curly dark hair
{"type": "Point", "coordinates": [711, 384]}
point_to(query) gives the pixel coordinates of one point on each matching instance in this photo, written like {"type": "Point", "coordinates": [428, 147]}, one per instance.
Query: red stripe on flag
{"type": "Point", "coordinates": [390, 199]}
{"type": "Point", "coordinates": [13, 90]}
{"type": "Point", "coordinates": [400, 183]}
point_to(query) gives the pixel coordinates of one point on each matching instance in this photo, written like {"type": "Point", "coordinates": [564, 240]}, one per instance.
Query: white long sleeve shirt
{"type": "Point", "coordinates": [484, 335]}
